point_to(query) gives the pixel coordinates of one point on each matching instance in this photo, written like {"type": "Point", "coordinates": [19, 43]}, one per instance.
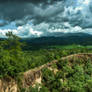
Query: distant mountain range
{"type": "Point", "coordinates": [59, 34]}
{"type": "Point", "coordinates": [62, 39]}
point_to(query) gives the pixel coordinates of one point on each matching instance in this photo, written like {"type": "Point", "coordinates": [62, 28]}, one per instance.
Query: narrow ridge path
{"type": "Point", "coordinates": [31, 75]}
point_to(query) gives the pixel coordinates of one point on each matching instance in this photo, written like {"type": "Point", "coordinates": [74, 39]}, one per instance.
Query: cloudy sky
{"type": "Point", "coordinates": [35, 18]}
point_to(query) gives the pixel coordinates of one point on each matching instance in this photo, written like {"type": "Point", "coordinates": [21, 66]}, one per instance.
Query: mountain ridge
{"type": "Point", "coordinates": [65, 39]}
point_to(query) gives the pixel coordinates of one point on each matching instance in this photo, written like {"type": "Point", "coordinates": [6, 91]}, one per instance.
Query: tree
{"type": "Point", "coordinates": [11, 56]}
{"type": "Point", "coordinates": [12, 42]}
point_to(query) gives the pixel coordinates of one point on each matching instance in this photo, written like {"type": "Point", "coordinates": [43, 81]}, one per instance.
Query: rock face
{"type": "Point", "coordinates": [8, 85]}
{"type": "Point", "coordinates": [31, 77]}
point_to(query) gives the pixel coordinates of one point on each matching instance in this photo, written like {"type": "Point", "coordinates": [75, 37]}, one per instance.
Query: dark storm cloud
{"type": "Point", "coordinates": [13, 11]}
{"type": "Point", "coordinates": [49, 11]}
{"type": "Point", "coordinates": [32, 1]}
{"type": "Point", "coordinates": [39, 12]}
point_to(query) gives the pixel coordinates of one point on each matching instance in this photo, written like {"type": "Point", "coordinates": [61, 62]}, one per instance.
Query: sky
{"type": "Point", "coordinates": [36, 18]}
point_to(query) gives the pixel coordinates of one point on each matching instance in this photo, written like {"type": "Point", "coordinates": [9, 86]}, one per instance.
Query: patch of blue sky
{"type": "Point", "coordinates": [11, 25]}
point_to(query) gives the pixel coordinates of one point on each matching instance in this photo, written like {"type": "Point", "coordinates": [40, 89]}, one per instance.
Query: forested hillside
{"type": "Point", "coordinates": [64, 39]}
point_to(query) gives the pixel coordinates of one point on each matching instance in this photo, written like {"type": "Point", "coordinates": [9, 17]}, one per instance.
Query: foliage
{"type": "Point", "coordinates": [11, 60]}
{"type": "Point", "coordinates": [72, 76]}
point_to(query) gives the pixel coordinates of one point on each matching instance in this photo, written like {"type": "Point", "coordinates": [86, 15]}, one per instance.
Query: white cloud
{"type": "Point", "coordinates": [22, 31]}
{"type": "Point", "coordinates": [85, 2]}
{"type": "Point", "coordinates": [43, 29]}
{"type": "Point", "coordinates": [70, 29]}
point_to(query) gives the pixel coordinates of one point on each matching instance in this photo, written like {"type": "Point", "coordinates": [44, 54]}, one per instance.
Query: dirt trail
{"type": "Point", "coordinates": [79, 55]}
{"type": "Point", "coordinates": [32, 75]}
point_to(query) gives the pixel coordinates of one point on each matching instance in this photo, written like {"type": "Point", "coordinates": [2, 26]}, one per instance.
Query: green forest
{"type": "Point", "coordinates": [17, 57]}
